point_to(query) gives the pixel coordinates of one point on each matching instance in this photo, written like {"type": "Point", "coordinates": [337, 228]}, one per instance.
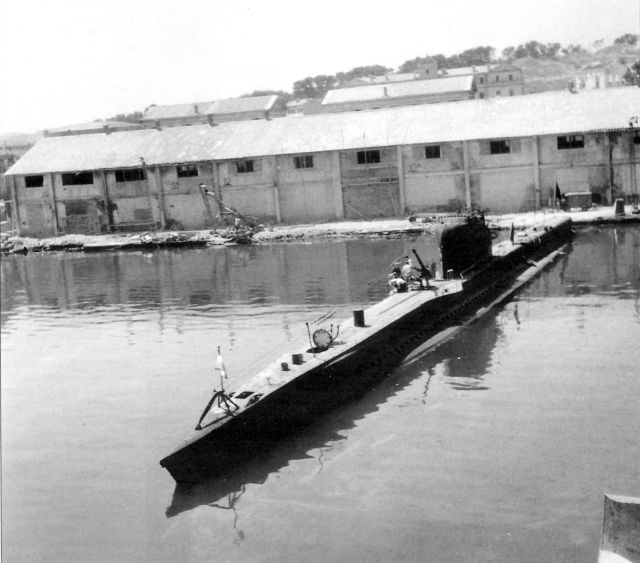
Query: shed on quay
{"type": "Point", "coordinates": [500, 154]}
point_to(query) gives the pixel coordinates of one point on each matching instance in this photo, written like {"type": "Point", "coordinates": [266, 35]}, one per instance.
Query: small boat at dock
{"type": "Point", "coordinates": [341, 362]}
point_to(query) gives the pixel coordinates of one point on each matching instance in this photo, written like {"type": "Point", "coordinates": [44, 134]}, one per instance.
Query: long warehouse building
{"type": "Point", "coordinates": [502, 155]}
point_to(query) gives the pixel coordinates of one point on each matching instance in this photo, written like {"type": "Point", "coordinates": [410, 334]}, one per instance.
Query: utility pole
{"type": "Point", "coordinates": [633, 127]}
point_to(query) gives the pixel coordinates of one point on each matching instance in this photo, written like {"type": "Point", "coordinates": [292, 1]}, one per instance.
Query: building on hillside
{"type": "Point", "coordinates": [597, 75]}
{"type": "Point", "coordinates": [491, 81]}
{"type": "Point", "coordinates": [399, 94]}
{"type": "Point", "coordinates": [221, 111]}
{"type": "Point", "coordinates": [307, 106]}
{"type": "Point", "coordinates": [427, 69]}
{"type": "Point", "coordinates": [176, 115]}
{"type": "Point", "coordinates": [501, 155]}
{"type": "Point", "coordinates": [240, 109]}
{"type": "Point", "coordinates": [371, 80]}
{"type": "Point", "coordinates": [385, 79]}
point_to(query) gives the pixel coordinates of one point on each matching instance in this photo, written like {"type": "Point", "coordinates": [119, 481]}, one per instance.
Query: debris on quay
{"type": "Point", "coordinates": [244, 234]}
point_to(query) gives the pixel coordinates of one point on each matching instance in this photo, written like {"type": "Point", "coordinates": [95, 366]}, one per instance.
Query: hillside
{"type": "Point", "coordinates": [18, 139]}
{"type": "Point", "coordinates": [540, 74]}
{"type": "Point", "coordinates": [543, 75]}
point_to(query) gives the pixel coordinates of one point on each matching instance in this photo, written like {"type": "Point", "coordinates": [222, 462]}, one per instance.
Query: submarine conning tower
{"type": "Point", "coordinates": [464, 242]}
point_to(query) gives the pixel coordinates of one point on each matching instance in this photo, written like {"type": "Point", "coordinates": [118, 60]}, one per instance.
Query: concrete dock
{"type": "Point", "coordinates": [620, 530]}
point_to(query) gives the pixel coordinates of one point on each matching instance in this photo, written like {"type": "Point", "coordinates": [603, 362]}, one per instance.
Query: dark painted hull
{"type": "Point", "coordinates": [301, 401]}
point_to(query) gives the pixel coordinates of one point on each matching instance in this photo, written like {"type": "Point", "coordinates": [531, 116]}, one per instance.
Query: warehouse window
{"type": "Point", "coordinates": [571, 142]}
{"type": "Point", "coordinates": [636, 138]}
{"type": "Point", "coordinates": [432, 151]}
{"type": "Point", "coordinates": [511, 78]}
{"type": "Point", "coordinates": [305, 161]}
{"type": "Point", "coordinates": [499, 147]}
{"type": "Point", "coordinates": [34, 181]}
{"type": "Point", "coordinates": [497, 79]}
{"type": "Point", "coordinates": [482, 80]}
{"type": "Point", "coordinates": [130, 175]}
{"type": "Point", "coordinates": [368, 157]}
{"type": "Point", "coordinates": [244, 166]}
{"type": "Point", "coordinates": [511, 92]}
{"type": "Point", "coordinates": [187, 170]}
{"type": "Point", "coordinates": [77, 179]}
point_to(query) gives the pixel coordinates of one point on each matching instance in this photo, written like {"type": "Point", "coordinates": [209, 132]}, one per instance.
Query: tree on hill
{"type": "Point", "coordinates": [632, 76]}
{"type": "Point", "coordinates": [476, 56]}
{"type": "Point", "coordinates": [533, 49]}
{"type": "Point", "coordinates": [552, 50]}
{"type": "Point", "coordinates": [412, 64]}
{"type": "Point", "coordinates": [314, 87]}
{"type": "Point", "coordinates": [362, 72]}
{"type": "Point", "coordinates": [126, 117]}
{"type": "Point", "coordinates": [317, 86]}
{"type": "Point", "coordinates": [574, 50]}
{"type": "Point", "coordinates": [630, 38]}
{"type": "Point", "coordinates": [508, 54]}
{"type": "Point", "coordinates": [471, 57]}
{"type": "Point", "coordinates": [286, 96]}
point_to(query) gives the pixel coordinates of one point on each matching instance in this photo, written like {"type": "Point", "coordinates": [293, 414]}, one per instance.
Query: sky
{"type": "Point", "coordinates": [65, 62]}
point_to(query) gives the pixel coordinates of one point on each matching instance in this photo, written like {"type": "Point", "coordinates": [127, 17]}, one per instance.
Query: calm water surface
{"type": "Point", "coordinates": [497, 446]}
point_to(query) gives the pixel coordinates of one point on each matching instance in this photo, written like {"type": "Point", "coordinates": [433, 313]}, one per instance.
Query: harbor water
{"type": "Point", "coordinates": [496, 446]}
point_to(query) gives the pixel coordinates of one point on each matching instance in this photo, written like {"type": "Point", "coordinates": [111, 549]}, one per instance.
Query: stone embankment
{"type": "Point", "coordinates": [426, 224]}
{"type": "Point", "coordinates": [423, 224]}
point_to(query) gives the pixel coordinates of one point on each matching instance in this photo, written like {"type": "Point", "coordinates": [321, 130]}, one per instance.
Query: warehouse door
{"type": "Point", "coordinates": [371, 200]}
{"type": "Point", "coordinates": [370, 184]}
{"type": "Point", "coordinates": [81, 218]}
{"type": "Point", "coordinates": [37, 219]}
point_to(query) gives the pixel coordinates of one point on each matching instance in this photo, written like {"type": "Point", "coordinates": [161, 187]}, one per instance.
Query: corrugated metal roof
{"type": "Point", "coordinates": [297, 103]}
{"type": "Point", "coordinates": [480, 69]}
{"type": "Point", "coordinates": [117, 150]}
{"type": "Point", "coordinates": [95, 126]}
{"type": "Point", "coordinates": [232, 105]}
{"type": "Point", "coordinates": [239, 105]}
{"type": "Point", "coordinates": [399, 90]}
{"type": "Point", "coordinates": [549, 113]}
{"type": "Point", "coordinates": [465, 70]}
{"type": "Point", "coordinates": [176, 111]}
{"type": "Point", "coordinates": [403, 77]}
